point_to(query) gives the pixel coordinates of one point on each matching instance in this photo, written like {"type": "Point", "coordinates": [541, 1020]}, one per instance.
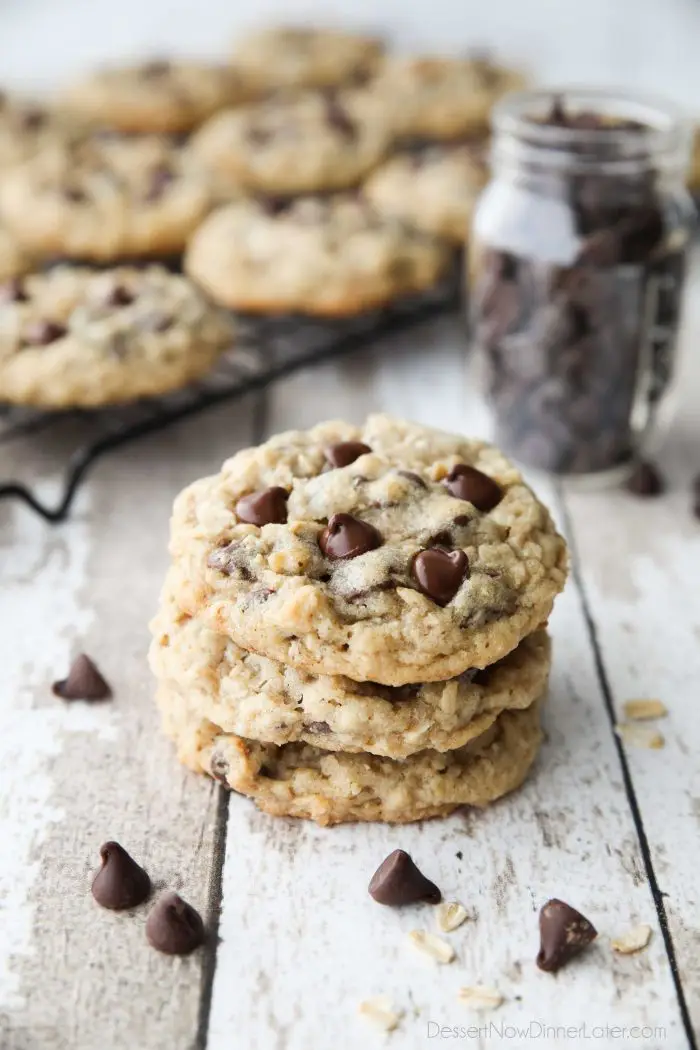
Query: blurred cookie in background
{"type": "Point", "coordinates": [441, 98]}
{"type": "Point", "coordinates": [291, 144]}
{"type": "Point", "coordinates": [28, 126]}
{"type": "Point", "coordinates": [433, 189]}
{"type": "Point", "coordinates": [156, 96]}
{"type": "Point", "coordinates": [104, 199]}
{"type": "Point", "coordinates": [326, 256]}
{"type": "Point", "coordinates": [79, 337]}
{"type": "Point", "coordinates": [694, 169]}
{"type": "Point", "coordinates": [298, 56]}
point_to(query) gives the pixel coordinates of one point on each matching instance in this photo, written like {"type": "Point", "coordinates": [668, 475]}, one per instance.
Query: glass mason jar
{"type": "Point", "coordinates": [578, 258]}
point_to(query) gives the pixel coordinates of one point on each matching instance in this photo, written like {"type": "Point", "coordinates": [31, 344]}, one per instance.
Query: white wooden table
{"type": "Point", "coordinates": [614, 831]}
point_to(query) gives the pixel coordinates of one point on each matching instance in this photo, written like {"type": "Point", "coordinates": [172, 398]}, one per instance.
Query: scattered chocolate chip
{"type": "Point", "coordinates": [118, 295]}
{"type": "Point", "coordinates": [415, 479]}
{"type": "Point", "coordinates": [472, 485]}
{"type": "Point", "coordinates": [13, 291]}
{"type": "Point", "coordinates": [84, 682]}
{"type": "Point", "coordinates": [459, 855]}
{"type": "Point", "coordinates": [645, 480]}
{"type": "Point", "coordinates": [338, 118]}
{"type": "Point", "coordinates": [439, 573]}
{"type": "Point", "coordinates": [173, 926]}
{"type": "Point", "coordinates": [41, 333]}
{"type": "Point", "coordinates": [348, 537]}
{"type": "Point", "coordinates": [265, 507]}
{"type": "Point", "coordinates": [317, 727]}
{"type": "Point", "coordinates": [564, 932]}
{"type": "Point", "coordinates": [120, 882]}
{"type": "Point", "coordinates": [345, 453]}
{"type": "Point", "coordinates": [158, 181]}
{"type": "Point", "coordinates": [398, 881]}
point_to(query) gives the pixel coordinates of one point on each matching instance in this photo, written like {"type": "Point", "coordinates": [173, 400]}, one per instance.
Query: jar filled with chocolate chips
{"type": "Point", "coordinates": [579, 248]}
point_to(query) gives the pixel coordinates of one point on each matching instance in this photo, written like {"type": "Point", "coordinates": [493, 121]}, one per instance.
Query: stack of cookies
{"type": "Point", "coordinates": [353, 624]}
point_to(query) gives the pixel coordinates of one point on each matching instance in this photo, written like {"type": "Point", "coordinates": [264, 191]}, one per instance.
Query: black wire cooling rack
{"type": "Point", "coordinates": [267, 349]}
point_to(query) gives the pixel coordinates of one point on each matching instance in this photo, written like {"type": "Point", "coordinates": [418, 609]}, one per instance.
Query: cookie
{"type": "Point", "coordinates": [27, 127]}
{"type": "Point", "coordinates": [298, 56]}
{"type": "Point", "coordinates": [433, 189]}
{"type": "Point", "coordinates": [441, 98]}
{"type": "Point", "coordinates": [694, 169]}
{"type": "Point", "coordinates": [102, 199]}
{"type": "Point", "coordinates": [388, 553]}
{"type": "Point", "coordinates": [13, 261]}
{"type": "Point", "coordinates": [330, 256]}
{"type": "Point", "coordinates": [303, 143]}
{"type": "Point", "coordinates": [77, 337]}
{"type": "Point", "coordinates": [263, 700]}
{"type": "Point", "coordinates": [299, 780]}
{"type": "Point", "coordinates": [156, 96]}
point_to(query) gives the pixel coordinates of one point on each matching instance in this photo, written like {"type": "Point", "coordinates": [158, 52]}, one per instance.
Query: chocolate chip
{"type": "Point", "coordinates": [173, 926]}
{"type": "Point", "coordinates": [13, 291]}
{"type": "Point", "coordinates": [398, 881]}
{"type": "Point", "coordinates": [158, 181]}
{"type": "Point", "coordinates": [41, 333]}
{"type": "Point", "coordinates": [440, 573]}
{"type": "Point", "coordinates": [259, 136]}
{"type": "Point", "coordinates": [345, 453]}
{"type": "Point", "coordinates": [348, 537]}
{"type": "Point", "coordinates": [338, 118]}
{"type": "Point", "coordinates": [645, 480]}
{"type": "Point", "coordinates": [265, 507]}
{"type": "Point", "coordinates": [84, 682]}
{"type": "Point", "coordinates": [415, 479]}
{"type": "Point", "coordinates": [317, 727]}
{"type": "Point", "coordinates": [157, 67]}
{"type": "Point", "coordinates": [118, 295]}
{"type": "Point", "coordinates": [273, 206]}
{"type": "Point", "coordinates": [74, 194]}
{"type": "Point", "coordinates": [459, 855]}
{"type": "Point", "coordinates": [34, 119]}
{"type": "Point", "coordinates": [120, 882]}
{"type": "Point", "coordinates": [470, 484]}
{"type": "Point", "coordinates": [564, 932]}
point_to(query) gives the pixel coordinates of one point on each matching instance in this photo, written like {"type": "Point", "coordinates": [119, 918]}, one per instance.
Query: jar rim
{"type": "Point", "coordinates": [663, 137]}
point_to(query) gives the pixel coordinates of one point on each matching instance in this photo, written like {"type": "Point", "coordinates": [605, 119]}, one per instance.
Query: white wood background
{"type": "Point", "coordinates": [613, 831]}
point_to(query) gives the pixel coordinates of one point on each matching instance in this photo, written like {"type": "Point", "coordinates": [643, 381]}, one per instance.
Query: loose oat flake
{"type": "Point", "coordinates": [450, 915]}
{"type": "Point", "coordinates": [641, 710]}
{"type": "Point", "coordinates": [429, 944]}
{"type": "Point", "coordinates": [380, 1011]}
{"type": "Point", "coordinates": [479, 997]}
{"type": "Point", "coordinates": [640, 736]}
{"type": "Point", "coordinates": [632, 941]}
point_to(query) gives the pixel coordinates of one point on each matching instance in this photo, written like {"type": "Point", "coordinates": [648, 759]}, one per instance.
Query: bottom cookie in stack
{"type": "Point", "coordinates": [333, 750]}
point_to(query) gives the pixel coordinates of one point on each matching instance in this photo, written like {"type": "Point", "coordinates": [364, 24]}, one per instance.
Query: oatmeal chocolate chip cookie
{"type": "Point", "coordinates": [156, 96]}
{"type": "Point", "coordinates": [297, 56]}
{"type": "Point", "coordinates": [330, 256]}
{"type": "Point", "coordinates": [104, 198]}
{"type": "Point", "coordinates": [432, 189]}
{"type": "Point", "coordinates": [303, 143]}
{"type": "Point", "coordinates": [299, 780]}
{"type": "Point", "coordinates": [424, 555]}
{"type": "Point", "coordinates": [77, 337]}
{"type": "Point", "coordinates": [263, 700]}
{"type": "Point", "coordinates": [441, 98]}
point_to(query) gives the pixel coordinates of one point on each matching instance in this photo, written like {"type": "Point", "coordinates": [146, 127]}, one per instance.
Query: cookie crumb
{"type": "Point", "coordinates": [640, 736]}
{"type": "Point", "coordinates": [380, 1011]}
{"type": "Point", "coordinates": [641, 710]}
{"type": "Point", "coordinates": [479, 997]}
{"type": "Point", "coordinates": [427, 943]}
{"type": "Point", "coordinates": [632, 941]}
{"type": "Point", "coordinates": [450, 915]}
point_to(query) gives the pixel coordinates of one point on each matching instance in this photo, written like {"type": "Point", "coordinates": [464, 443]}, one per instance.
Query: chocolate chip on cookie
{"type": "Point", "coordinates": [348, 537]}
{"type": "Point", "coordinates": [345, 453]}
{"type": "Point", "coordinates": [266, 507]}
{"type": "Point", "coordinates": [156, 67]}
{"type": "Point", "coordinates": [159, 179]}
{"type": "Point", "coordinates": [440, 573]}
{"type": "Point", "coordinates": [121, 882]}
{"type": "Point", "coordinates": [399, 881]}
{"type": "Point", "coordinates": [564, 932]}
{"type": "Point", "coordinates": [84, 682]}
{"type": "Point", "coordinates": [475, 487]}
{"type": "Point", "coordinates": [13, 291]}
{"type": "Point", "coordinates": [118, 295]}
{"type": "Point", "coordinates": [174, 926]}
{"type": "Point", "coordinates": [41, 333]}
{"type": "Point", "coordinates": [339, 119]}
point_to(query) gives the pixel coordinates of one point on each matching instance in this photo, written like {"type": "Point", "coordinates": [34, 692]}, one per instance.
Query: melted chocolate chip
{"type": "Point", "coordinates": [564, 932]}
{"type": "Point", "coordinates": [173, 926]}
{"type": "Point", "coordinates": [41, 333]}
{"type": "Point", "coordinates": [440, 573]}
{"type": "Point", "coordinates": [345, 453]}
{"type": "Point", "coordinates": [120, 882]}
{"type": "Point", "coordinates": [472, 485]}
{"type": "Point", "coordinates": [398, 881]}
{"type": "Point", "coordinates": [645, 480]}
{"type": "Point", "coordinates": [118, 295]}
{"type": "Point", "coordinates": [158, 181]}
{"type": "Point", "coordinates": [265, 507]}
{"type": "Point", "coordinates": [348, 537]}
{"type": "Point", "coordinates": [84, 682]}
{"type": "Point", "coordinates": [13, 291]}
